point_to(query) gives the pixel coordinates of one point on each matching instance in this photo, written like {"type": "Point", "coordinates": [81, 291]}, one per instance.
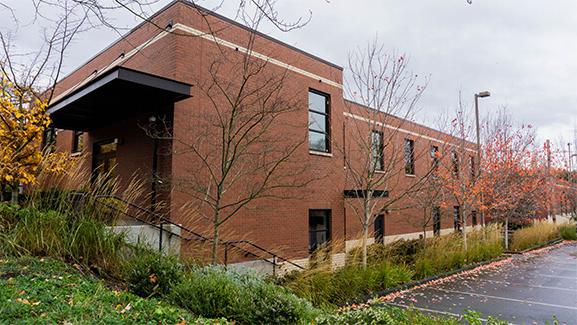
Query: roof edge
{"type": "Point", "coordinates": [219, 16]}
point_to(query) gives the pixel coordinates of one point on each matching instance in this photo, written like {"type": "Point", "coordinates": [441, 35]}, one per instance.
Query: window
{"type": "Point", "coordinates": [455, 163]}
{"type": "Point", "coordinates": [319, 228]}
{"type": "Point", "coordinates": [437, 221]}
{"type": "Point", "coordinates": [472, 167]}
{"type": "Point", "coordinates": [457, 218]}
{"type": "Point", "coordinates": [409, 157]}
{"type": "Point", "coordinates": [77, 141]}
{"type": "Point", "coordinates": [319, 126]}
{"type": "Point", "coordinates": [474, 217]}
{"type": "Point", "coordinates": [377, 150]}
{"type": "Point", "coordinates": [49, 139]}
{"type": "Point", "coordinates": [435, 155]}
{"type": "Point", "coordinates": [379, 228]}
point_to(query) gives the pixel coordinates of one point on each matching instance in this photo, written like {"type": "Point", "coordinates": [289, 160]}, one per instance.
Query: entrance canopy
{"type": "Point", "coordinates": [116, 94]}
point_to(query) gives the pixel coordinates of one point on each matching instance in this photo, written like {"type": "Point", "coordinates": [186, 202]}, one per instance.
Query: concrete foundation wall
{"type": "Point", "coordinates": [150, 236]}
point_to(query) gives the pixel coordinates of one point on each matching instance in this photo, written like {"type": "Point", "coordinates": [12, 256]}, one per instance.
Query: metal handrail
{"type": "Point", "coordinates": [200, 237]}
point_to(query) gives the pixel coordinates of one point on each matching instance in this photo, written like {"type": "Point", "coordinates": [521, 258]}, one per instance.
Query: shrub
{"type": "Point", "coordinates": [248, 299]}
{"type": "Point", "coordinates": [149, 273]}
{"type": "Point", "coordinates": [538, 233]}
{"type": "Point", "coordinates": [327, 288]}
{"type": "Point", "coordinates": [447, 253]}
{"type": "Point", "coordinates": [48, 233]}
{"type": "Point", "coordinates": [384, 315]}
{"type": "Point", "coordinates": [400, 252]}
{"type": "Point", "coordinates": [568, 231]}
{"type": "Point", "coordinates": [388, 315]}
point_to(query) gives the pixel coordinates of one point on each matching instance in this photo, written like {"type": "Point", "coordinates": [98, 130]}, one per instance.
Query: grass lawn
{"type": "Point", "coordinates": [43, 290]}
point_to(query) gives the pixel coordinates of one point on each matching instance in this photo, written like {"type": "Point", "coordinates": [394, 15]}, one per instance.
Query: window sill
{"type": "Point", "coordinates": [380, 172]}
{"type": "Point", "coordinates": [410, 175]}
{"type": "Point", "coordinates": [76, 154]}
{"type": "Point", "coordinates": [320, 153]}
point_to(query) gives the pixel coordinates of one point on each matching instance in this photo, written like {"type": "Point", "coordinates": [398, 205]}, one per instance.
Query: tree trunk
{"type": "Point", "coordinates": [507, 233]}
{"type": "Point", "coordinates": [215, 239]}
{"type": "Point", "coordinates": [364, 243]}
{"type": "Point", "coordinates": [424, 227]}
{"type": "Point", "coordinates": [465, 245]}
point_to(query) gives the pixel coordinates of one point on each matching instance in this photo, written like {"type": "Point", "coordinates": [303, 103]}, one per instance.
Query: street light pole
{"type": "Point", "coordinates": [481, 94]}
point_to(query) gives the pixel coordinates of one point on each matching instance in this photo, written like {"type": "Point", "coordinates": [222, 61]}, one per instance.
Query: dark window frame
{"type": "Point", "coordinates": [436, 212]}
{"type": "Point", "coordinates": [76, 135]}
{"type": "Point", "coordinates": [379, 235]}
{"type": "Point", "coordinates": [409, 152]}
{"type": "Point", "coordinates": [474, 218]}
{"type": "Point", "coordinates": [49, 139]}
{"type": "Point", "coordinates": [327, 230]}
{"type": "Point", "coordinates": [377, 158]}
{"type": "Point", "coordinates": [435, 161]}
{"type": "Point", "coordinates": [457, 218]}
{"type": "Point", "coordinates": [327, 116]}
{"type": "Point", "coordinates": [455, 168]}
{"type": "Point", "coordinates": [473, 167]}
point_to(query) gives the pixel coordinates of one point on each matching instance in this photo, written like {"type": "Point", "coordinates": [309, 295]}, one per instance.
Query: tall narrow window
{"type": "Point", "coordinates": [77, 141]}
{"type": "Point", "coordinates": [457, 218]}
{"type": "Point", "coordinates": [377, 150]}
{"type": "Point", "coordinates": [472, 167]}
{"type": "Point", "coordinates": [319, 126]}
{"type": "Point", "coordinates": [409, 157]}
{"type": "Point", "coordinates": [435, 156]}
{"type": "Point", "coordinates": [437, 221]}
{"type": "Point", "coordinates": [474, 217]}
{"type": "Point", "coordinates": [49, 139]}
{"type": "Point", "coordinates": [379, 228]}
{"type": "Point", "coordinates": [319, 228]}
{"type": "Point", "coordinates": [455, 163]}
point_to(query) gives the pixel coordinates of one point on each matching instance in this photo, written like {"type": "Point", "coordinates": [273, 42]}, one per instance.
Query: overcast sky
{"type": "Point", "coordinates": [523, 52]}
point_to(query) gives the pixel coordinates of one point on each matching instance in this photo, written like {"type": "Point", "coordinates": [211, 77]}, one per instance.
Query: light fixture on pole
{"type": "Point", "coordinates": [481, 94]}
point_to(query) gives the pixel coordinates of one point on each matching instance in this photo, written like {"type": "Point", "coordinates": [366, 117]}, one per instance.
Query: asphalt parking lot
{"type": "Point", "coordinates": [529, 289]}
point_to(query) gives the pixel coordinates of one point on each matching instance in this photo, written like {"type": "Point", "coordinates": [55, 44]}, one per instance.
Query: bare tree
{"type": "Point", "coordinates": [233, 145]}
{"type": "Point", "coordinates": [377, 155]}
{"type": "Point", "coordinates": [459, 176]}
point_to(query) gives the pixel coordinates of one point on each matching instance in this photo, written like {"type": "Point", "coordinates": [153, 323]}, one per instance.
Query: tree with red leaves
{"type": "Point", "coordinates": [513, 179]}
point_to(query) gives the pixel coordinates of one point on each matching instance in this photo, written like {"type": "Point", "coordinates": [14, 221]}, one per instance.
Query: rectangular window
{"type": "Point", "coordinates": [437, 221]}
{"type": "Point", "coordinates": [435, 156]}
{"type": "Point", "coordinates": [455, 163]}
{"type": "Point", "coordinates": [472, 167]}
{"type": "Point", "coordinates": [77, 141]}
{"type": "Point", "coordinates": [409, 157]}
{"type": "Point", "coordinates": [474, 218]}
{"type": "Point", "coordinates": [49, 139]}
{"type": "Point", "coordinates": [377, 150]}
{"type": "Point", "coordinates": [379, 228]}
{"type": "Point", "coordinates": [457, 218]}
{"type": "Point", "coordinates": [319, 126]}
{"type": "Point", "coordinates": [319, 228]}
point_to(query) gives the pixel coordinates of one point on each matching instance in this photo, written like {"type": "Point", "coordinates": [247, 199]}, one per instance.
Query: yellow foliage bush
{"type": "Point", "coordinates": [23, 120]}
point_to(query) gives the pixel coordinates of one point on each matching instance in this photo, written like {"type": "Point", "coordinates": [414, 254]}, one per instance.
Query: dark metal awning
{"type": "Point", "coordinates": [353, 194]}
{"type": "Point", "coordinates": [113, 96]}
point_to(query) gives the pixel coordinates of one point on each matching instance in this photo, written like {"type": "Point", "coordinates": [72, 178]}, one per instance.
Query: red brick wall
{"type": "Point", "coordinates": [271, 223]}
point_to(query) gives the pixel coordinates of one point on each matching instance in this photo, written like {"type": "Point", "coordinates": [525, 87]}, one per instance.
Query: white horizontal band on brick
{"type": "Point", "coordinates": [252, 53]}
{"type": "Point", "coordinates": [206, 36]}
{"type": "Point", "coordinates": [392, 127]}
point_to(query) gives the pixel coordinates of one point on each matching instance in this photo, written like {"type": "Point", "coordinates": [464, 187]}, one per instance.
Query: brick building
{"type": "Point", "coordinates": [105, 108]}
